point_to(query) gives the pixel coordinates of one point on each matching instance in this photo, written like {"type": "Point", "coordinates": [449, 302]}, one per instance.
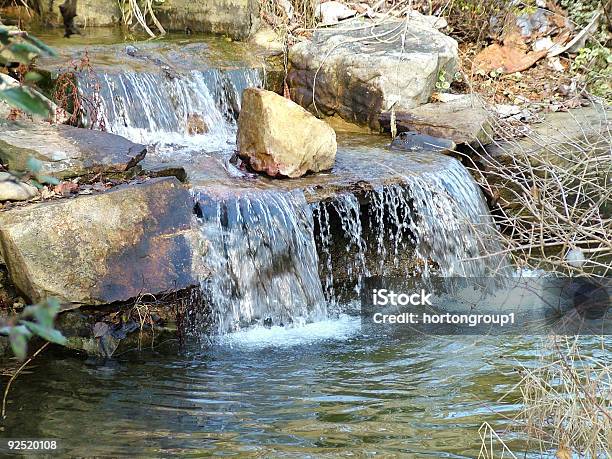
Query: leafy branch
{"type": "Point", "coordinates": [17, 46]}
{"type": "Point", "coordinates": [34, 320]}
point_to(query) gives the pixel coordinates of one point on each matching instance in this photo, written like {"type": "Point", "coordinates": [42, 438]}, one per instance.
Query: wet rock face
{"type": "Point", "coordinates": [280, 138]}
{"type": "Point", "coordinates": [102, 248]}
{"type": "Point", "coordinates": [89, 12]}
{"type": "Point", "coordinates": [105, 330]}
{"type": "Point", "coordinates": [358, 77]}
{"type": "Point", "coordinates": [66, 151]}
{"type": "Point", "coordinates": [235, 18]}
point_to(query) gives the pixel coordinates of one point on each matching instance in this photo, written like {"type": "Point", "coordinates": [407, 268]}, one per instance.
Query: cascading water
{"type": "Point", "coordinates": [262, 255]}
{"type": "Point", "coordinates": [448, 221]}
{"type": "Point", "coordinates": [274, 258]}
{"type": "Point", "coordinates": [196, 110]}
{"type": "Point", "coordinates": [438, 217]}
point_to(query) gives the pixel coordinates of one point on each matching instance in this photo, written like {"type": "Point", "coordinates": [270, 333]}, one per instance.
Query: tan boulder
{"type": "Point", "coordinates": [278, 137]}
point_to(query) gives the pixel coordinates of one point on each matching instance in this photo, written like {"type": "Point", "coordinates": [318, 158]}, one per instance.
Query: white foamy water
{"type": "Point", "coordinates": [261, 250]}
{"type": "Point", "coordinates": [340, 329]}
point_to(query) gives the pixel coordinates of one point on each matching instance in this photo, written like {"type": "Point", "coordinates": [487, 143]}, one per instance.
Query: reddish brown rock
{"type": "Point", "coordinates": [102, 248]}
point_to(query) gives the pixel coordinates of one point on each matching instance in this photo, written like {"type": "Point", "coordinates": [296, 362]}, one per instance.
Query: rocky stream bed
{"type": "Point", "coordinates": [162, 192]}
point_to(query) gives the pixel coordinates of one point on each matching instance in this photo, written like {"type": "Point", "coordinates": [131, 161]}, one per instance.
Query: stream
{"type": "Point", "coordinates": [322, 390]}
{"type": "Point", "coordinates": [324, 386]}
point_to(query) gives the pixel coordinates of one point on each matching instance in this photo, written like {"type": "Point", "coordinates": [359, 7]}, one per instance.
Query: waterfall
{"type": "Point", "coordinates": [273, 258]}
{"type": "Point", "coordinates": [433, 223]}
{"type": "Point", "coordinates": [263, 259]}
{"type": "Point", "coordinates": [196, 110]}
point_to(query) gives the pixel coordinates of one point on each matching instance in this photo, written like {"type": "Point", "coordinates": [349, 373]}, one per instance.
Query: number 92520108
{"type": "Point", "coordinates": [14, 445]}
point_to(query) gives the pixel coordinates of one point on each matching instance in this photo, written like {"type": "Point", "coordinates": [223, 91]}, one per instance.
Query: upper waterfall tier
{"type": "Point", "coordinates": [193, 111]}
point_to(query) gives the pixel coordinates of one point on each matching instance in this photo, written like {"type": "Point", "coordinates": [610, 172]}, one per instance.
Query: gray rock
{"type": "Point", "coordinates": [558, 138]}
{"type": "Point", "coordinates": [359, 77]}
{"type": "Point", "coordinates": [102, 248]}
{"type": "Point", "coordinates": [131, 50]}
{"type": "Point", "coordinates": [66, 151]}
{"type": "Point", "coordinates": [331, 12]}
{"type": "Point", "coordinates": [462, 119]}
{"type": "Point", "coordinates": [12, 189]}
{"type": "Point", "coordinates": [267, 39]}
{"type": "Point", "coordinates": [564, 140]}
{"type": "Point", "coordinates": [235, 18]}
{"type": "Point", "coordinates": [413, 141]}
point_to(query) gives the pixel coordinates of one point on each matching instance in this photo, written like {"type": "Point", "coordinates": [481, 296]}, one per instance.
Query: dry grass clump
{"type": "Point", "coordinates": [140, 12]}
{"type": "Point", "coordinates": [567, 403]}
{"type": "Point", "coordinates": [567, 400]}
{"type": "Point", "coordinates": [551, 194]}
{"type": "Point", "coordinates": [289, 15]}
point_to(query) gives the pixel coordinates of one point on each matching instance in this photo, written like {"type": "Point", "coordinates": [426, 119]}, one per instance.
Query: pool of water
{"type": "Point", "coordinates": [327, 389]}
{"type": "Point", "coordinates": [324, 390]}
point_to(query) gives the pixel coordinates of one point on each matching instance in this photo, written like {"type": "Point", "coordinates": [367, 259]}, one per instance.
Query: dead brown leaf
{"type": "Point", "coordinates": [507, 59]}
{"type": "Point", "coordinates": [66, 188]}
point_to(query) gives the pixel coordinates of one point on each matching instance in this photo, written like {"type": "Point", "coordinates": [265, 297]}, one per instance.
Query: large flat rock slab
{"type": "Point", "coordinates": [464, 119]}
{"type": "Point", "coordinates": [561, 146]}
{"type": "Point", "coordinates": [99, 249]}
{"type": "Point", "coordinates": [363, 68]}
{"type": "Point", "coordinates": [363, 163]}
{"type": "Point", "coordinates": [66, 151]}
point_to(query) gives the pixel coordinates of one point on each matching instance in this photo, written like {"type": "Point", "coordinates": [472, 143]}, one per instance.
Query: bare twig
{"type": "Point", "coordinates": [23, 365]}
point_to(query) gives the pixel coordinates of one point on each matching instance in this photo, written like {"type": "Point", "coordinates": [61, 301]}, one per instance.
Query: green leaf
{"type": "Point", "coordinates": [47, 179]}
{"type": "Point", "coordinates": [32, 77]}
{"type": "Point", "coordinates": [50, 334]}
{"type": "Point", "coordinates": [37, 184]}
{"type": "Point", "coordinates": [40, 45]}
{"type": "Point", "coordinates": [19, 343]}
{"type": "Point", "coordinates": [53, 304]}
{"type": "Point", "coordinates": [24, 99]}
{"type": "Point", "coordinates": [44, 315]}
{"type": "Point", "coordinates": [34, 165]}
